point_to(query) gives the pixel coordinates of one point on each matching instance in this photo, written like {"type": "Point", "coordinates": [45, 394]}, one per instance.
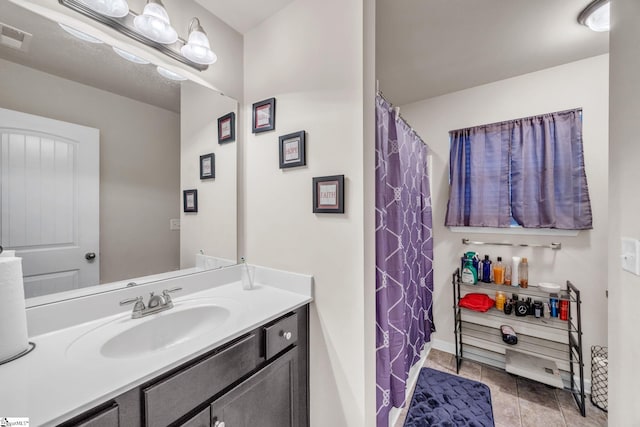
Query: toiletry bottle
{"type": "Point", "coordinates": [486, 269]}
{"type": "Point", "coordinates": [515, 263]}
{"type": "Point", "coordinates": [469, 273]}
{"type": "Point", "coordinates": [507, 275]}
{"type": "Point", "coordinates": [498, 272]}
{"type": "Point", "coordinates": [501, 298]}
{"type": "Point", "coordinates": [523, 273]}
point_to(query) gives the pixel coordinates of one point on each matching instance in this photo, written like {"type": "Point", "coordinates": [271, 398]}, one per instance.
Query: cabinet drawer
{"type": "Point", "coordinates": [280, 335]}
{"type": "Point", "coordinates": [171, 398]}
{"type": "Point", "coordinates": [105, 418]}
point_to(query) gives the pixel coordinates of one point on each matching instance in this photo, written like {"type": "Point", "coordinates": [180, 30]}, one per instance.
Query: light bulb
{"type": "Point", "coordinates": [130, 56]}
{"type": "Point", "coordinates": [198, 49]}
{"type": "Point", "coordinates": [79, 34]}
{"type": "Point", "coordinates": [113, 8]}
{"type": "Point", "coordinates": [154, 24]}
{"type": "Point", "coordinates": [170, 74]}
{"type": "Point", "coordinates": [599, 20]}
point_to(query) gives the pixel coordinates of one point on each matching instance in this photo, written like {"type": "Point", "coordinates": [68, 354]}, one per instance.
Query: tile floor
{"type": "Point", "coordinates": [518, 402]}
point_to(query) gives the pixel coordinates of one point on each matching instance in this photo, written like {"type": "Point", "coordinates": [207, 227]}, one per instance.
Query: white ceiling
{"type": "Point", "coordinates": [426, 48]}
{"type": "Point", "coordinates": [243, 15]}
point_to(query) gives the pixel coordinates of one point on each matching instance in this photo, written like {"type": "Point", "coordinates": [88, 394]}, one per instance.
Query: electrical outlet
{"type": "Point", "coordinates": [631, 255]}
{"type": "Point", "coordinates": [174, 224]}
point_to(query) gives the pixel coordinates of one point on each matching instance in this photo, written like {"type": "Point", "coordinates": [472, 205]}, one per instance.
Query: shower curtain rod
{"type": "Point", "coordinates": [554, 246]}
{"type": "Point", "coordinates": [381, 95]}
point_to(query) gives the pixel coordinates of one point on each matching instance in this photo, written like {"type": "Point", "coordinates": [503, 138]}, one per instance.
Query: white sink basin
{"type": "Point", "coordinates": [129, 338]}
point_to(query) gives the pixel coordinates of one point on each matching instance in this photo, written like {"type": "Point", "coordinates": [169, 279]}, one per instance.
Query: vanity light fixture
{"type": "Point", "coordinates": [79, 34]}
{"type": "Point", "coordinates": [170, 74]}
{"type": "Point", "coordinates": [596, 15]}
{"type": "Point", "coordinates": [154, 23]}
{"type": "Point", "coordinates": [130, 56]}
{"type": "Point", "coordinates": [112, 8]}
{"type": "Point", "coordinates": [152, 28]}
{"type": "Point", "coordinates": [198, 48]}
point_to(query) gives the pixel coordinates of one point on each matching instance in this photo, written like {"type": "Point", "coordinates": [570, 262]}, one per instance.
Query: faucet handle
{"type": "Point", "coordinates": [137, 300]}
{"type": "Point", "coordinates": [166, 293]}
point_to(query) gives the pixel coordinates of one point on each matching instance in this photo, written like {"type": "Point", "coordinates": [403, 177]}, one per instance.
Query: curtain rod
{"type": "Point", "coordinates": [579, 109]}
{"type": "Point", "coordinates": [554, 246]}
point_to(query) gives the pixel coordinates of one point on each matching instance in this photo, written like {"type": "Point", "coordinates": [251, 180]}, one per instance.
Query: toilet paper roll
{"type": "Point", "coordinates": [13, 315]}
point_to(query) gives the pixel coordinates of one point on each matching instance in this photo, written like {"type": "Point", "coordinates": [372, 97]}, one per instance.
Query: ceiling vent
{"type": "Point", "coordinates": [14, 38]}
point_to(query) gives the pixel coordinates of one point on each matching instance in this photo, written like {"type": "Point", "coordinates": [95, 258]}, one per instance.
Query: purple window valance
{"type": "Point", "coordinates": [529, 171]}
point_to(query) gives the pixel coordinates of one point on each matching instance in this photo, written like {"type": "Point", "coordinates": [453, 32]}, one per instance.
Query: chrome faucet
{"type": "Point", "coordinates": [156, 304]}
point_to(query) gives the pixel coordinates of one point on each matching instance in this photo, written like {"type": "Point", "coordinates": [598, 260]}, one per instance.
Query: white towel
{"type": "Point", "coordinates": [13, 315]}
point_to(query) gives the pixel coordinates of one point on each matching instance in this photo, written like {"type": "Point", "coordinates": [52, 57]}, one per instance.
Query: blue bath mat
{"type": "Point", "coordinates": [446, 400]}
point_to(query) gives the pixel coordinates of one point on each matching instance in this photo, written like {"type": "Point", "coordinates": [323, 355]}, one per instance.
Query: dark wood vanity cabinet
{"type": "Point", "coordinates": [260, 380]}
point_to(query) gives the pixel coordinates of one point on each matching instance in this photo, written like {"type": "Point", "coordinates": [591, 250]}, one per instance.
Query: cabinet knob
{"type": "Point", "coordinates": [219, 424]}
{"type": "Point", "coordinates": [286, 335]}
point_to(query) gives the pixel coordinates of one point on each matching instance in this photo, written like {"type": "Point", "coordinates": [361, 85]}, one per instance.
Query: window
{"type": "Point", "coordinates": [529, 171]}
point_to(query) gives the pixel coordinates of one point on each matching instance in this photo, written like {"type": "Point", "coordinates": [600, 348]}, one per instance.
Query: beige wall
{"type": "Point", "coordinates": [624, 204]}
{"type": "Point", "coordinates": [309, 56]}
{"type": "Point", "coordinates": [213, 228]}
{"type": "Point", "coordinates": [139, 166]}
{"type": "Point", "coordinates": [583, 258]}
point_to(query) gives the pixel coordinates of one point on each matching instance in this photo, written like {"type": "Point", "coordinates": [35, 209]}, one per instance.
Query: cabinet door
{"type": "Point", "coordinates": [202, 419]}
{"type": "Point", "coordinates": [267, 399]}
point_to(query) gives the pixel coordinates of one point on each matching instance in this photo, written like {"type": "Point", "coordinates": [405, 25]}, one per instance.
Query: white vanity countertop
{"type": "Point", "coordinates": [51, 385]}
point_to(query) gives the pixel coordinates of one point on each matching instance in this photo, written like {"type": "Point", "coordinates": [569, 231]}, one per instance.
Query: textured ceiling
{"type": "Point", "coordinates": [243, 15]}
{"type": "Point", "coordinates": [54, 51]}
{"type": "Point", "coordinates": [432, 47]}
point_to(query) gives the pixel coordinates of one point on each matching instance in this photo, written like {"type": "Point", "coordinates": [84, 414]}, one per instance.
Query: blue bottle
{"type": "Point", "coordinates": [486, 270]}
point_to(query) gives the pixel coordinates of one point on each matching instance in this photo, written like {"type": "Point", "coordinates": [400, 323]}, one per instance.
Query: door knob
{"type": "Point", "coordinates": [90, 256]}
{"type": "Point", "coordinates": [219, 424]}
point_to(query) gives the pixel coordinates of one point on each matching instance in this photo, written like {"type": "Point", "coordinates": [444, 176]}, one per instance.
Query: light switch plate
{"type": "Point", "coordinates": [174, 224]}
{"type": "Point", "coordinates": [630, 255]}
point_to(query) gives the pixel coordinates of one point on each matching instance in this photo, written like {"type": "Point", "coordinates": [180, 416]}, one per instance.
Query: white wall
{"type": "Point", "coordinates": [582, 259]}
{"type": "Point", "coordinates": [309, 56]}
{"type": "Point", "coordinates": [213, 228]}
{"type": "Point", "coordinates": [624, 153]}
{"type": "Point", "coordinates": [139, 165]}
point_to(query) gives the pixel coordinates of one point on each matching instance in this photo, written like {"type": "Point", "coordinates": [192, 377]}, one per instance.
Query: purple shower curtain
{"type": "Point", "coordinates": [404, 255]}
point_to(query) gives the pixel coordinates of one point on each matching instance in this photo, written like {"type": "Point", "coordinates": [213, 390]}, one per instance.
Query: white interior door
{"type": "Point", "coordinates": [49, 200]}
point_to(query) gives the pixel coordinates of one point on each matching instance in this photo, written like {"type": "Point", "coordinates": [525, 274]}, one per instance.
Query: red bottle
{"type": "Point", "coordinates": [564, 310]}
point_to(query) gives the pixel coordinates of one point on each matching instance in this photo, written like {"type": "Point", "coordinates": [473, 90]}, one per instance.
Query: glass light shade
{"type": "Point", "coordinates": [599, 20]}
{"type": "Point", "coordinates": [170, 74]}
{"type": "Point", "coordinates": [154, 24]}
{"type": "Point", "coordinates": [130, 56]}
{"type": "Point", "coordinates": [198, 49]}
{"type": "Point", "coordinates": [79, 34]}
{"type": "Point", "coordinates": [113, 8]}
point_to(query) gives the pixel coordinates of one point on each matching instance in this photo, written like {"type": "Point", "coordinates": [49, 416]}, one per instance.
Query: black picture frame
{"type": "Point", "coordinates": [334, 203]}
{"type": "Point", "coordinates": [264, 116]}
{"type": "Point", "coordinates": [190, 201]}
{"type": "Point", "coordinates": [227, 128]}
{"type": "Point", "coordinates": [208, 166]}
{"type": "Point", "coordinates": [292, 150]}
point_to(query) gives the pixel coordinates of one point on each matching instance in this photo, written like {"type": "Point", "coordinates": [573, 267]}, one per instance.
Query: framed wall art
{"type": "Point", "coordinates": [208, 166]}
{"type": "Point", "coordinates": [292, 150]}
{"type": "Point", "coordinates": [227, 128]}
{"type": "Point", "coordinates": [190, 200]}
{"type": "Point", "coordinates": [328, 194]}
{"type": "Point", "coordinates": [264, 115]}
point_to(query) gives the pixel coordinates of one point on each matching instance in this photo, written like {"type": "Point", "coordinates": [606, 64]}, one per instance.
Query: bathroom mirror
{"type": "Point", "coordinates": [113, 212]}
